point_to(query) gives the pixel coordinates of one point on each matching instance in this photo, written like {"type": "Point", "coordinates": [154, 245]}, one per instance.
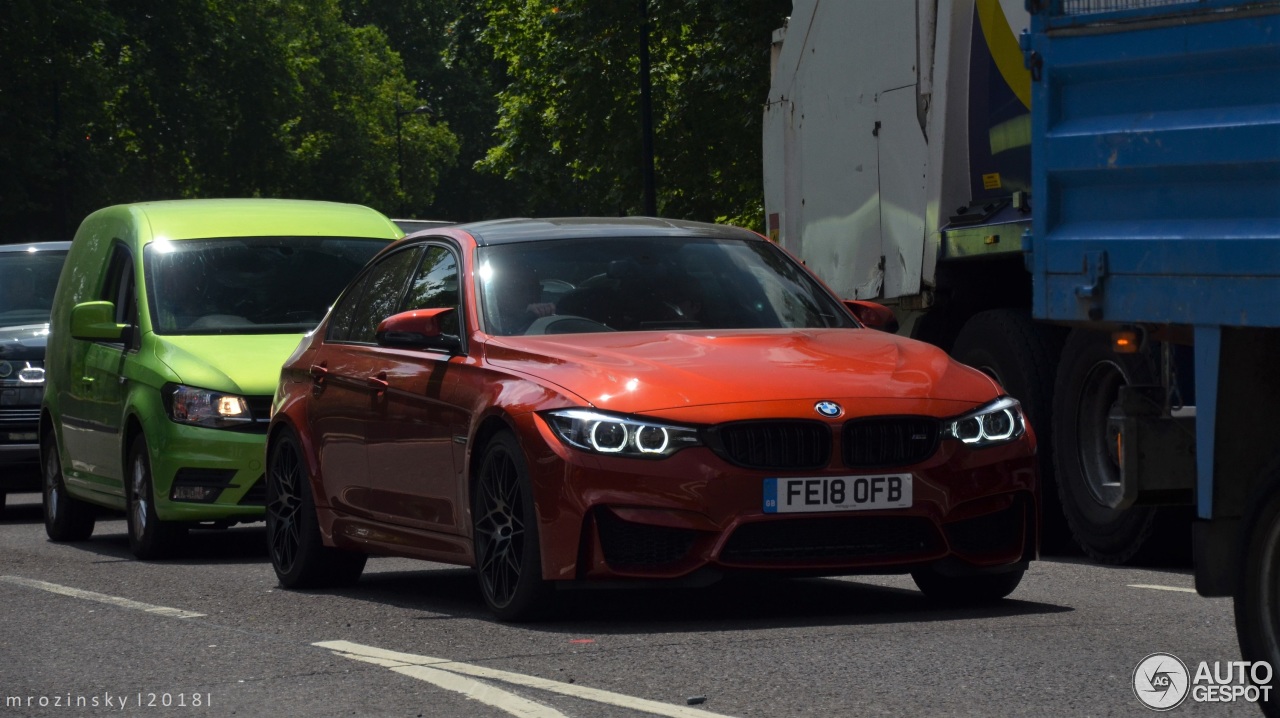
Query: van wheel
{"type": "Point", "coordinates": [149, 537]}
{"type": "Point", "coordinates": [65, 518]}
{"type": "Point", "coordinates": [298, 554]}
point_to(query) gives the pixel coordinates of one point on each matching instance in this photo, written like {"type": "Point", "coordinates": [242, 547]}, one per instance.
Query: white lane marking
{"type": "Point", "coordinates": [473, 689]}
{"type": "Point", "coordinates": [1162, 588]}
{"type": "Point", "coordinates": [100, 597]}
{"type": "Point", "coordinates": [402, 662]}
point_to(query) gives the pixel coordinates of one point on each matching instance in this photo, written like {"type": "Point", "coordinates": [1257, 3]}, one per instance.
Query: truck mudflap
{"type": "Point", "coordinates": [1154, 450]}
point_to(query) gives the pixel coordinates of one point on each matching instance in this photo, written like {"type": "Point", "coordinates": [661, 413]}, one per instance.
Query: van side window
{"type": "Point", "coordinates": [121, 289]}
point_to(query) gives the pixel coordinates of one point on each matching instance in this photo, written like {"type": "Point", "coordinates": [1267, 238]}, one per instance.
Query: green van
{"type": "Point", "coordinates": [169, 327]}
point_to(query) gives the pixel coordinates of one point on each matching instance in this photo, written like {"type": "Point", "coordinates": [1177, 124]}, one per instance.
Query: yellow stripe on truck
{"type": "Point", "coordinates": [1004, 49]}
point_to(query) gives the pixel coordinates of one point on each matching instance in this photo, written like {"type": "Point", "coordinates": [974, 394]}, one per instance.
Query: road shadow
{"type": "Point", "coordinates": [236, 545]}
{"type": "Point", "coordinates": [20, 509]}
{"type": "Point", "coordinates": [737, 603]}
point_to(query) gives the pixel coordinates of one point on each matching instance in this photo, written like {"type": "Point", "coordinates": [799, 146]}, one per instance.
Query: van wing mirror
{"type": "Point", "coordinates": [875, 316]}
{"type": "Point", "coordinates": [96, 321]}
{"type": "Point", "coordinates": [417, 329]}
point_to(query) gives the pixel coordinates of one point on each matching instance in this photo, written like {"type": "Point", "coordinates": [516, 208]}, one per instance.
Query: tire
{"type": "Point", "coordinates": [298, 553]}
{"type": "Point", "coordinates": [1023, 357]}
{"type": "Point", "coordinates": [505, 530]}
{"type": "Point", "coordinates": [149, 537]}
{"type": "Point", "coordinates": [4, 498]}
{"type": "Point", "coordinates": [65, 518]}
{"type": "Point", "coordinates": [1088, 383]}
{"type": "Point", "coordinates": [1257, 601]}
{"type": "Point", "coordinates": [966, 590]}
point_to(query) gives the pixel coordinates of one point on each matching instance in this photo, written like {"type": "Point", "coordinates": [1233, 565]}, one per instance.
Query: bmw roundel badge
{"type": "Point", "coordinates": [829, 409]}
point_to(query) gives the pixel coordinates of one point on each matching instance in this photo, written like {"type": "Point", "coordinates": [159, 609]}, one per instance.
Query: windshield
{"type": "Point", "coordinates": [27, 284]}
{"type": "Point", "coordinates": [249, 285]}
{"type": "Point", "coordinates": [648, 283]}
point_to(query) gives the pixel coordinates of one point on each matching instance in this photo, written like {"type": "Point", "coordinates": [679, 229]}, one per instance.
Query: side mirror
{"type": "Point", "coordinates": [96, 321]}
{"type": "Point", "coordinates": [417, 329]}
{"type": "Point", "coordinates": [875, 316]}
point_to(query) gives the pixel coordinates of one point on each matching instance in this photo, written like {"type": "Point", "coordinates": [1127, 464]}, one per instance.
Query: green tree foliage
{"type": "Point", "coordinates": [569, 122]}
{"type": "Point", "coordinates": [458, 76]}
{"type": "Point", "coordinates": [153, 99]}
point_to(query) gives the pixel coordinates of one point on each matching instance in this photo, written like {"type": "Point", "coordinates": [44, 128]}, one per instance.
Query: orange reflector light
{"type": "Point", "coordinates": [1124, 342]}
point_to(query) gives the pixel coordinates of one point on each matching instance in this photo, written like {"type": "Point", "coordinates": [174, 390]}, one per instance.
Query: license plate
{"type": "Point", "coordinates": [837, 493]}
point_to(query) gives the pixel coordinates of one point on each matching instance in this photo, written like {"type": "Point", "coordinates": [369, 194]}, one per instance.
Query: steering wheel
{"type": "Point", "coordinates": [566, 324]}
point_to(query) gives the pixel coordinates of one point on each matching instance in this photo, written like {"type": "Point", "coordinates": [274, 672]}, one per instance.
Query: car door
{"type": "Point", "coordinates": [93, 422]}
{"type": "Point", "coordinates": [412, 474]}
{"type": "Point", "coordinates": [344, 372]}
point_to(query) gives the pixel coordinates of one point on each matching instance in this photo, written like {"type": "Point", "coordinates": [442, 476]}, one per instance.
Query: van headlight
{"type": "Point", "coordinates": [603, 433]}
{"type": "Point", "coordinates": [203, 407]}
{"type": "Point", "coordinates": [999, 422]}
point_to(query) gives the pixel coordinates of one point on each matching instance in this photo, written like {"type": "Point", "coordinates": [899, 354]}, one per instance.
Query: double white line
{"type": "Point", "coordinates": [453, 676]}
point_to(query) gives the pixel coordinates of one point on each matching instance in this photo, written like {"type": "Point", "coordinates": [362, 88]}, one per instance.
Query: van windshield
{"type": "Point", "coordinates": [249, 285]}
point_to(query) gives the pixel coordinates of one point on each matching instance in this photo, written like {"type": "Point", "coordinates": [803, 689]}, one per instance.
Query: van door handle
{"type": "Point", "coordinates": [378, 382]}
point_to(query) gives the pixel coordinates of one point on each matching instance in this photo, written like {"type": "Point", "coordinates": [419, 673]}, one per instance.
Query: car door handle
{"type": "Point", "coordinates": [318, 373]}
{"type": "Point", "coordinates": [378, 382]}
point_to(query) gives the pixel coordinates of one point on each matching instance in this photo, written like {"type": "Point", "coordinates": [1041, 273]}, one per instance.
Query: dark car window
{"type": "Point", "coordinates": [436, 285]}
{"type": "Point", "coordinates": [383, 291]}
{"type": "Point", "coordinates": [249, 285]}
{"type": "Point", "coordinates": [340, 323]}
{"type": "Point", "coordinates": [120, 289]}
{"type": "Point", "coordinates": [27, 284]}
{"type": "Point", "coordinates": [648, 283]}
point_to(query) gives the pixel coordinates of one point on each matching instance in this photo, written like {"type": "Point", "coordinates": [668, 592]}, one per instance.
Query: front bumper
{"type": "Point", "coordinates": [607, 518]}
{"type": "Point", "coordinates": [19, 443]}
{"type": "Point", "coordinates": [229, 463]}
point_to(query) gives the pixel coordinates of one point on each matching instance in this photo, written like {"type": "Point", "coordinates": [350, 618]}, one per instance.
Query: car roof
{"type": "Point", "coordinates": [507, 231]}
{"type": "Point", "coordinates": [205, 218]}
{"type": "Point", "coordinates": [36, 247]}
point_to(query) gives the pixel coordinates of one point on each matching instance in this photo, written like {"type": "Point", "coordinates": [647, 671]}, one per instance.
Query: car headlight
{"type": "Point", "coordinates": [202, 407]}
{"type": "Point", "coordinates": [603, 433]}
{"type": "Point", "coordinates": [996, 423]}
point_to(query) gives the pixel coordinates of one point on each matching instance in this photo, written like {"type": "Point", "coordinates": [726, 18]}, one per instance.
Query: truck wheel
{"type": "Point", "coordinates": [1257, 600]}
{"type": "Point", "coordinates": [1086, 467]}
{"type": "Point", "coordinates": [1023, 356]}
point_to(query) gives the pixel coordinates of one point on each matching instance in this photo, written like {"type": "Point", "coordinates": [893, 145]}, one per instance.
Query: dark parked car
{"type": "Point", "coordinates": [28, 278]}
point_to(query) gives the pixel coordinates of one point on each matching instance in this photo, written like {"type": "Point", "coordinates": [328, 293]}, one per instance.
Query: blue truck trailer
{"type": "Point", "coordinates": [1156, 188]}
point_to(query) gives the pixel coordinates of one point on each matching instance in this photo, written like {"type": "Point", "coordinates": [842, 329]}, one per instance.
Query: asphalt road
{"type": "Point", "coordinates": [84, 622]}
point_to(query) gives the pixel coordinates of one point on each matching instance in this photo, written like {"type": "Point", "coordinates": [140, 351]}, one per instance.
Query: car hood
{"type": "Point", "coordinates": [23, 343]}
{"type": "Point", "coordinates": [247, 364]}
{"type": "Point", "coordinates": [652, 371]}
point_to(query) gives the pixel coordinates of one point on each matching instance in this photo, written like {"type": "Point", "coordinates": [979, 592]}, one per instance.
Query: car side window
{"type": "Point", "coordinates": [436, 286]}
{"type": "Point", "coordinates": [383, 290]}
{"type": "Point", "coordinates": [340, 322]}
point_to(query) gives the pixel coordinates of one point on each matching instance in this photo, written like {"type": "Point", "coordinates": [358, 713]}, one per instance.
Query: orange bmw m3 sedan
{"type": "Point", "coordinates": [561, 402]}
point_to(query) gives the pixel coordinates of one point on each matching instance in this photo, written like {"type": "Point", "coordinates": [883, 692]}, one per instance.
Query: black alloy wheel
{"type": "Point", "coordinates": [298, 553]}
{"type": "Point", "coordinates": [506, 534]}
